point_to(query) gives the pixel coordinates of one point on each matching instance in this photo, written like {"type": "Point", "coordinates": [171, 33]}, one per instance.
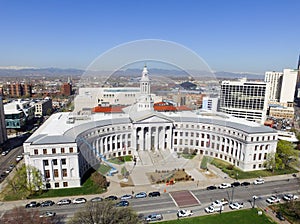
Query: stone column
{"type": "Point", "coordinates": [156, 139]}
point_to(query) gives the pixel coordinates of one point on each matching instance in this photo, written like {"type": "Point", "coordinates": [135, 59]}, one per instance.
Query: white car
{"type": "Point", "coordinates": [236, 205]}
{"type": "Point", "coordinates": [64, 202]}
{"type": "Point", "coordinates": [224, 185]}
{"type": "Point", "coordinates": [273, 199]}
{"type": "Point", "coordinates": [259, 181]}
{"type": "Point", "coordinates": [126, 197]}
{"type": "Point", "coordinates": [4, 153]}
{"type": "Point", "coordinates": [48, 214]}
{"type": "Point", "coordinates": [289, 197]}
{"type": "Point", "coordinates": [184, 213]}
{"type": "Point", "coordinates": [212, 209]}
{"type": "Point", "coordinates": [79, 201]}
{"type": "Point", "coordinates": [216, 203]}
{"type": "Point", "coordinates": [19, 158]}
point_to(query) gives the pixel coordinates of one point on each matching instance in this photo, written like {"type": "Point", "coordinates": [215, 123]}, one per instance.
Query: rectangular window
{"type": "Point", "coordinates": [254, 157]}
{"type": "Point", "coordinates": [46, 163]}
{"type": "Point", "coordinates": [62, 150]}
{"type": "Point", "coordinates": [36, 152]}
{"type": "Point", "coordinates": [56, 184]}
{"type": "Point", "coordinates": [44, 151]}
{"type": "Point", "coordinates": [175, 141]}
{"type": "Point", "coordinates": [63, 162]}
{"type": "Point", "coordinates": [65, 184]}
{"type": "Point", "coordinates": [53, 150]}
{"type": "Point", "coordinates": [55, 172]}
{"type": "Point", "coordinates": [259, 156]}
{"type": "Point", "coordinates": [64, 172]}
{"type": "Point", "coordinates": [47, 173]}
{"type": "Point", "coordinates": [54, 161]}
{"type": "Point", "coordinates": [71, 150]}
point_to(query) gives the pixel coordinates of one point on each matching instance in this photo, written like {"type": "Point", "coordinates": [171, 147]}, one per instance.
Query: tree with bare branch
{"type": "Point", "coordinates": [104, 213]}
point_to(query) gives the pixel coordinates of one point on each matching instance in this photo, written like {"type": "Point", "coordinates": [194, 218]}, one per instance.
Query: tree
{"type": "Point", "coordinates": [99, 179]}
{"type": "Point", "coordinates": [104, 213]}
{"type": "Point", "coordinates": [21, 215]}
{"type": "Point", "coordinates": [285, 151]}
{"type": "Point", "coordinates": [270, 162]}
{"type": "Point", "coordinates": [26, 178]}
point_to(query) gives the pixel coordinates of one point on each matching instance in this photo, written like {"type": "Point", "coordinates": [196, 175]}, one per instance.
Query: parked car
{"type": "Point", "coordinates": [79, 201]}
{"type": "Point", "coordinates": [280, 216]}
{"type": "Point", "coordinates": [259, 181]}
{"type": "Point", "coordinates": [184, 213]}
{"type": "Point", "coordinates": [126, 197]}
{"type": "Point", "coordinates": [273, 199]}
{"type": "Point", "coordinates": [290, 197]}
{"type": "Point", "coordinates": [32, 204]}
{"type": "Point", "coordinates": [19, 158]}
{"type": "Point", "coordinates": [64, 202]}
{"type": "Point", "coordinates": [216, 203]}
{"type": "Point", "coordinates": [141, 195]}
{"type": "Point", "coordinates": [245, 183]}
{"type": "Point", "coordinates": [154, 217]}
{"type": "Point", "coordinates": [4, 153]}
{"type": "Point", "coordinates": [96, 199]}
{"type": "Point", "coordinates": [47, 203]}
{"type": "Point", "coordinates": [154, 194]}
{"type": "Point", "coordinates": [212, 187]}
{"type": "Point", "coordinates": [48, 214]}
{"type": "Point", "coordinates": [236, 205]}
{"type": "Point", "coordinates": [235, 184]}
{"type": "Point", "coordinates": [224, 185]}
{"type": "Point", "coordinates": [211, 209]}
{"type": "Point", "coordinates": [111, 198]}
{"type": "Point", "coordinates": [122, 203]}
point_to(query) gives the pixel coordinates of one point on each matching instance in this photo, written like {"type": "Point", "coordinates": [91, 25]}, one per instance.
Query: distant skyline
{"type": "Point", "coordinates": [234, 36]}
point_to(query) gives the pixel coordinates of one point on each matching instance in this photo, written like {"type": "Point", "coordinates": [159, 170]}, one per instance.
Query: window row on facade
{"type": "Point", "coordinates": [46, 151]}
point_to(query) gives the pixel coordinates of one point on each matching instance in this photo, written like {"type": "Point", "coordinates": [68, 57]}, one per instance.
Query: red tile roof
{"type": "Point", "coordinates": [110, 109]}
{"type": "Point", "coordinates": [163, 106]}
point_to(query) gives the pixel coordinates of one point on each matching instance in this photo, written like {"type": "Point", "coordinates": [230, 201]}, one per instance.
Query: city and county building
{"type": "Point", "coordinates": [68, 144]}
{"type": "Point", "coordinates": [245, 99]}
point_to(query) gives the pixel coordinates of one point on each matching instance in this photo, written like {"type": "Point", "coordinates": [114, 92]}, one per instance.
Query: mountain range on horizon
{"type": "Point", "coordinates": [56, 72]}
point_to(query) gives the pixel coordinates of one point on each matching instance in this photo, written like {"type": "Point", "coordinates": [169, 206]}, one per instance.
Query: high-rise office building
{"type": "Point", "coordinates": [275, 80]}
{"type": "Point", "coordinates": [245, 99]}
{"type": "Point", "coordinates": [3, 132]}
{"type": "Point", "coordinates": [288, 86]}
{"type": "Point", "coordinates": [282, 86]}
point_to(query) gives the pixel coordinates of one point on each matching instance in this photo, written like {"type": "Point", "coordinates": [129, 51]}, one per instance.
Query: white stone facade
{"type": "Point", "coordinates": [63, 151]}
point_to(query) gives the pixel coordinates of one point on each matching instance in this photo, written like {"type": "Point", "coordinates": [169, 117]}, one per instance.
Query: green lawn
{"type": "Point", "coordinates": [248, 216]}
{"type": "Point", "coordinates": [238, 174]}
{"type": "Point", "coordinates": [121, 160]}
{"type": "Point", "coordinates": [87, 188]}
{"type": "Point", "coordinates": [103, 169]}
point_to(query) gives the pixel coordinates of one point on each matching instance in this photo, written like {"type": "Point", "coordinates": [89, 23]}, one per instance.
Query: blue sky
{"type": "Point", "coordinates": [230, 35]}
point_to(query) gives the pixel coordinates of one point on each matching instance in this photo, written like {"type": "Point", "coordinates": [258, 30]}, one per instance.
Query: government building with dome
{"type": "Point", "coordinates": [68, 144]}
